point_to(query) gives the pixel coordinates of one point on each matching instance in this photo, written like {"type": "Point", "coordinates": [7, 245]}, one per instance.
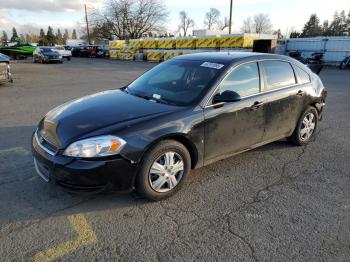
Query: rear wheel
{"type": "Point", "coordinates": [306, 128]}
{"type": "Point", "coordinates": [163, 170]}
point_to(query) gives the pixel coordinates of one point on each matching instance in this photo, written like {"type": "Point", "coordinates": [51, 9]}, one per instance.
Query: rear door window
{"type": "Point", "coordinates": [243, 80]}
{"type": "Point", "coordinates": [278, 74]}
{"type": "Point", "coordinates": [303, 77]}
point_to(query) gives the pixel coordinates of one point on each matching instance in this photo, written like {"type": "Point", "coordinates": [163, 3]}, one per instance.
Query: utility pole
{"type": "Point", "coordinates": [230, 20]}
{"type": "Point", "coordinates": [87, 26]}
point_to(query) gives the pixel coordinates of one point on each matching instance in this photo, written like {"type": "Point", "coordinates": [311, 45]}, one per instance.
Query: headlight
{"type": "Point", "coordinates": [95, 147]}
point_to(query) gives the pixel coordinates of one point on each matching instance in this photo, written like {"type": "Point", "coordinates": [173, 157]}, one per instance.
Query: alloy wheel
{"type": "Point", "coordinates": [307, 126]}
{"type": "Point", "coordinates": [166, 172]}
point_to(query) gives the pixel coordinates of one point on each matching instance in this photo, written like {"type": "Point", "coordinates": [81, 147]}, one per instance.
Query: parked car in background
{"type": "Point", "coordinates": [67, 54]}
{"type": "Point", "coordinates": [21, 51]}
{"type": "Point", "coordinates": [5, 69]}
{"type": "Point", "coordinates": [185, 113]}
{"type": "Point", "coordinates": [46, 54]}
{"type": "Point", "coordinates": [345, 63]}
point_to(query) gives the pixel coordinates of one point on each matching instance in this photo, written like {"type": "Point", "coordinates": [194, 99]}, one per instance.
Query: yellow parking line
{"type": "Point", "coordinates": [86, 236]}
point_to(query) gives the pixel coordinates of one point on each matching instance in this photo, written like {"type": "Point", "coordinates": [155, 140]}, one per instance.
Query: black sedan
{"type": "Point", "coordinates": [47, 54]}
{"type": "Point", "coordinates": [184, 113]}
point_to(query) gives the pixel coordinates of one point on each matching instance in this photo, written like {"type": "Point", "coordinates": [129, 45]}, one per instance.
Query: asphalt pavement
{"type": "Point", "coordinates": [275, 203]}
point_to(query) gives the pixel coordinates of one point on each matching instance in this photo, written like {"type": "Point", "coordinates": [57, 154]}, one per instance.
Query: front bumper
{"type": "Point", "coordinates": [83, 175]}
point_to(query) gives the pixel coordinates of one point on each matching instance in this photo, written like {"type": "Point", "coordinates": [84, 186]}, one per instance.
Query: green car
{"type": "Point", "coordinates": [18, 51]}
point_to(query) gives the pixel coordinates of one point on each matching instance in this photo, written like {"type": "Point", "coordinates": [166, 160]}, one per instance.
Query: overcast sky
{"type": "Point", "coordinates": [29, 15]}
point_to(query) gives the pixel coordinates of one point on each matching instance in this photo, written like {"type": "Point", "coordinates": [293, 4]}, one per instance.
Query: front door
{"type": "Point", "coordinates": [235, 126]}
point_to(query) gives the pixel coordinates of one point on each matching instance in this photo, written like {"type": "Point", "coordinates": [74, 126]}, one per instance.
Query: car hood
{"type": "Point", "coordinates": [51, 53]}
{"type": "Point", "coordinates": [74, 119]}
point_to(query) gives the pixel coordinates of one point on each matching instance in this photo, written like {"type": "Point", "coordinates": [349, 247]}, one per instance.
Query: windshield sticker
{"type": "Point", "coordinates": [156, 96]}
{"type": "Point", "coordinates": [212, 65]}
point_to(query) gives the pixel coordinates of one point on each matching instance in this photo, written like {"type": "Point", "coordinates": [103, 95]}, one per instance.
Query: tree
{"type": "Point", "coordinates": [248, 26]}
{"type": "Point", "coordinates": [294, 34]}
{"type": "Point", "coordinates": [212, 18]}
{"type": "Point", "coordinates": [262, 23]}
{"type": "Point", "coordinates": [14, 35]}
{"type": "Point", "coordinates": [326, 30]}
{"type": "Point", "coordinates": [223, 23]}
{"type": "Point", "coordinates": [4, 38]}
{"type": "Point", "coordinates": [312, 27]}
{"type": "Point", "coordinates": [74, 34]}
{"type": "Point", "coordinates": [338, 25]}
{"type": "Point", "coordinates": [130, 19]}
{"type": "Point", "coordinates": [347, 22]}
{"type": "Point", "coordinates": [65, 36]}
{"type": "Point", "coordinates": [42, 38]}
{"type": "Point", "coordinates": [59, 37]}
{"type": "Point", "coordinates": [50, 37]}
{"type": "Point", "coordinates": [185, 22]}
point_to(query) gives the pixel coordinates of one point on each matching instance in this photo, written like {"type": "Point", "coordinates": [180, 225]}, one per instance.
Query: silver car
{"type": "Point", "coordinates": [5, 69]}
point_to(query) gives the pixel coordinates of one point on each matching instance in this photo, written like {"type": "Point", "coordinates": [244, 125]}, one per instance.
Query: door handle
{"type": "Point", "coordinates": [300, 93]}
{"type": "Point", "coordinates": [256, 105]}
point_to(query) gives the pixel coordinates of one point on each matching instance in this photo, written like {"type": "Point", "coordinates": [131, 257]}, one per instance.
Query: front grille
{"type": "Point", "coordinates": [44, 144]}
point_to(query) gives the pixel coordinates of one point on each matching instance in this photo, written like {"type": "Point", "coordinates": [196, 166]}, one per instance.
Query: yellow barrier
{"type": "Point", "coordinates": [136, 43]}
{"type": "Point", "coordinates": [150, 44]}
{"type": "Point", "coordinates": [167, 44]}
{"type": "Point", "coordinates": [113, 54]}
{"type": "Point", "coordinates": [231, 41]}
{"type": "Point", "coordinates": [208, 42]}
{"type": "Point", "coordinates": [186, 43]}
{"type": "Point", "coordinates": [154, 56]}
{"type": "Point", "coordinates": [168, 55]}
{"type": "Point", "coordinates": [116, 44]}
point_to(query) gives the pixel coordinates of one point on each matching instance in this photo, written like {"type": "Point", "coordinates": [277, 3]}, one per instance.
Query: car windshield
{"type": "Point", "coordinates": [46, 50]}
{"type": "Point", "coordinates": [176, 82]}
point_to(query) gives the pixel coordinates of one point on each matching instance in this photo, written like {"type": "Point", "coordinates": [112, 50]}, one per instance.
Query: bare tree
{"type": "Point", "coordinates": [248, 26]}
{"type": "Point", "coordinates": [262, 23]}
{"type": "Point", "coordinates": [130, 18]}
{"type": "Point", "coordinates": [212, 18]}
{"type": "Point", "coordinates": [185, 22]}
{"type": "Point", "coordinates": [222, 24]}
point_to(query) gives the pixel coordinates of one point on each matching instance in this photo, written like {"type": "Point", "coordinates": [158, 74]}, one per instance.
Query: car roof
{"type": "Point", "coordinates": [231, 57]}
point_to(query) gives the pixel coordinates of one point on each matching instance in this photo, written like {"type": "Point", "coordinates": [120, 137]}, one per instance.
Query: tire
{"type": "Point", "coordinates": [342, 65]}
{"type": "Point", "coordinates": [305, 131]}
{"type": "Point", "coordinates": [170, 177]}
{"type": "Point", "coordinates": [68, 58]}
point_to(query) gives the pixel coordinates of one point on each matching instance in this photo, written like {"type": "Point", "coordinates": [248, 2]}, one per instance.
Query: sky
{"type": "Point", "coordinates": [30, 15]}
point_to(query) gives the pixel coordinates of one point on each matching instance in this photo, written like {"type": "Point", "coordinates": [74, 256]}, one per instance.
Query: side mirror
{"type": "Point", "coordinates": [226, 96]}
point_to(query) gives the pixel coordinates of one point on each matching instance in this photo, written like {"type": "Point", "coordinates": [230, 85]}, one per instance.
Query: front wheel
{"type": "Point", "coordinates": [163, 170]}
{"type": "Point", "coordinates": [306, 127]}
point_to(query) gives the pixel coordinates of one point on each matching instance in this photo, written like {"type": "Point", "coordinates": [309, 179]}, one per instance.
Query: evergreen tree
{"type": "Point", "coordinates": [65, 36]}
{"type": "Point", "coordinates": [42, 38]}
{"type": "Point", "coordinates": [294, 34]}
{"type": "Point", "coordinates": [4, 38]}
{"type": "Point", "coordinates": [348, 23]}
{"type": "Point", "coordinates": [312, 28]}
{"type": "Point", "coordinates": [338, 25]}
{"type": "Point", "coordinates": [326, 31]}
{"type": "Point", "coordinates": [59, 38]}
{"type": "Point", "coordinates": [50, 37]}
{"type": "Point", "coordinates": [74, 34]}
{"type": "Point", "coordinates": [14, 35]}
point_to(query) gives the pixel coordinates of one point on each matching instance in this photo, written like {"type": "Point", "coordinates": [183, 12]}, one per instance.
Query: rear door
{"type": "Point", "coordinates": [284, 98]}
{"type": "Point", "coordinates": [235, 126]}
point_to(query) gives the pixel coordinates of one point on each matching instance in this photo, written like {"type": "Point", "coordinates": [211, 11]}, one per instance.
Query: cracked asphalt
{"type": "Point", "coordinates": [275, 203]}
